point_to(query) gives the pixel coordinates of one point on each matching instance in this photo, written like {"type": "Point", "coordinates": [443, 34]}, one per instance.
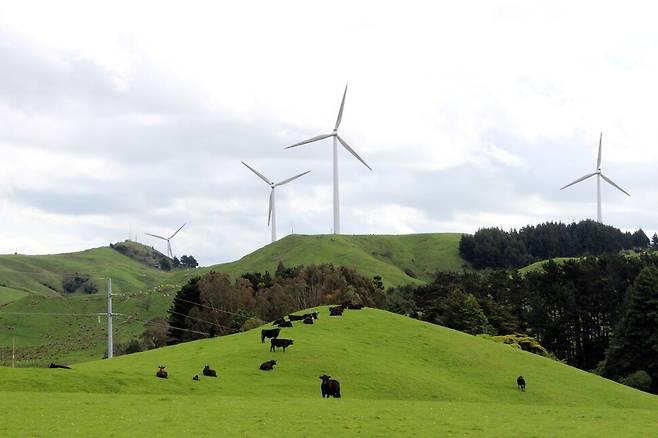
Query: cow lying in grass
{"type": "Point", "coordinates": [329, 387]}
{"type": "Point", "coordinates": [308, 320]}
{"type": "Point", "coordinates": [280, 343]}
{"type": "Point", "coordinates": [279, 321]}
{"type": "Point", "coordinates": [208, 372]}
{"type": "Point", "coordinates": [285, 324]}
{"type": "Point", "coordinates": [268, 366]}
{"type": "Point", "coordinates": [196, 377]}
{"type": "Point", "coordinates": [355, 306]}
{"type": "Point", "coordinates": [54, 365]}
{"type": "Point", "coordinates": [296, 317]}
{"type": "Point", "coordinates": [520, 382]}
{"type": "Point", "coordinates": [336, 311]}
{"type": "Point", "coordinates": [161, 373]}
{"type": "Point", "coordinates": [269, 333]}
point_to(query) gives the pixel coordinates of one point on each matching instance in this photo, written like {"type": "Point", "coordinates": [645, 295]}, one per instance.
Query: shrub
{"type": "Point", "coordinates": [639, 380]}
{"type": "Point", "coordinates": [251, 323]}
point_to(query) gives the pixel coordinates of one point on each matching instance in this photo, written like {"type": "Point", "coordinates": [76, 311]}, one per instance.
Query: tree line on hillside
{"type": "Point", "coordinates": [496, 248]}
{"type": "Point", "coordinates": [215, 305]}
{"type": "Point", "coordinates": [597, 313]}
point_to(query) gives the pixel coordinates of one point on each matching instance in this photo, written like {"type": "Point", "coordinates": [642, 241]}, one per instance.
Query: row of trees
{"type": "Point", "coordinates": [216, 305]}
{"type": "Point", "coordinates": [496, 248]}
{"type": "Point", "coordinates": [185, 262]}
{"type": "Point", "coordinates": [598, 313]}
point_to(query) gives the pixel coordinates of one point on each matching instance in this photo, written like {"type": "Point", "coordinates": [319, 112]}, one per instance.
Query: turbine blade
{"type": "Point", "coordinates": [310, 140]}
{"type": "Point", "coordinates": [181, 227]}
{"type": "Point", "coordinates": [340, 111]}
{"type": "Point", "coordinates": [155, 235]}
{"type": "Point", "coordinates": [286, 181]}
{"type": "Point", "coordinates": [579, 180]}
{"type": "Point", "coordinates": [609, 181]}
{"type": "Point", "coordinates": [263, 177]}
{"type": "Point", "coordinates": [598, 161]}
{"type": "Point", "coordinates": [346, 146]}
{"type": "Point", "coordinates": [269, 212]}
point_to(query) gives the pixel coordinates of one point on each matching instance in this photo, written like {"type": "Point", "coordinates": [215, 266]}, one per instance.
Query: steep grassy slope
{"type": "Point", "coordinates": [398, 376]}
{"type": "Point", "coordinates": [389, 256]}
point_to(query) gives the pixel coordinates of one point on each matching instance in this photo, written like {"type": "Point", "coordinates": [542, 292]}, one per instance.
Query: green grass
{"type": "Point", "coordinates": [539, 266]}
{"type": "Point", "coordinates": [399, 377]}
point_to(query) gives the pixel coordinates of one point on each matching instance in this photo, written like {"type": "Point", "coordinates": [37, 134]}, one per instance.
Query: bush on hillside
{"type": "Point", "coordinates": [639, 380]}
{"type": "Point", "coordinates": [523, 342]}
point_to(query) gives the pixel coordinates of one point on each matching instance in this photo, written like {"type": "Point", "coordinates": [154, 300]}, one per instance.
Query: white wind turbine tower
{"type": "Point", "coordinates": [599, 175]}
{"type": "Point", "coordinates": [271, 214]}
{"type": "Point", "coordinates": [336, 137]}
{"type": "Point", "coordinates": [170, 253]}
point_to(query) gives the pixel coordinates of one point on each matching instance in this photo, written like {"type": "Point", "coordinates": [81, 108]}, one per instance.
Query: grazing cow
{"type": "Point", "coordinates": [54, 365]}
{"type": "Point", "coordinates": [308, 320]}
{"type": "Point", "coordinates": [208, 372]}
{"type": "Point", "coordinates": [355, 306]}
{"type": "Point", "coordinates": [295, 317]}
{"type": "Point", "coordinates": [269, 333]}
{"type": "Point", "coordinates": [336, 311]}
{"type": "Point", "coordinates": [329, 387]}
{"type": "Point", "coordinates": [196, 377]}
{"type": "Point", "coordinates": [279, 321]}
{"type": "Point", "coordinates": [285, 324]}
{"type": "Point", "coordinates": [280, 343]}
{"type": "Point", "coordinates": [520, 382]}
{"type": "Point", "coordinates": [268, 366]}
{"type": "Point", "coordinates": [161, 373]}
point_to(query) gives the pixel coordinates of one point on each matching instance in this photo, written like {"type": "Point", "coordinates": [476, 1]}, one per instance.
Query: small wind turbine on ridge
{"type": "Point", "coordinates": [170, 253]}
{"type": "Point", "coordinates": [599, 175]}
{"type": "Point", "coordinates": [338, 138]}
{"type": "Point", "coordinates": [271, 214]}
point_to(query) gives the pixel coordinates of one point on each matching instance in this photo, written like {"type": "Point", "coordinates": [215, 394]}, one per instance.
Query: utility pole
{"type": "Point", "coordinates": [110, 346]}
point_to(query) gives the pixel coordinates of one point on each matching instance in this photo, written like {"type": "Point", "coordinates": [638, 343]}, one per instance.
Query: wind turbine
{"type": "Point", "coordinates": [599, 175]}
{"type": "Point", "coordinates": [170, 253]}
{"type": "Point", "coordinates": [338, 138]}
{"type": "Point", "coordinates": [271, 214]}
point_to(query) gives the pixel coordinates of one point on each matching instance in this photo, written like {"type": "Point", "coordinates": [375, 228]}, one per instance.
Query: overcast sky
{"type": "Point", "coordinates": [133, 118]}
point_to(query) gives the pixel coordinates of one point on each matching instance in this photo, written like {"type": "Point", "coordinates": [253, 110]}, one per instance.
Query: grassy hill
{"type": "Point", "coordinates": [44, 321]}
{"type": "Point", "coordinates": [399, 377]}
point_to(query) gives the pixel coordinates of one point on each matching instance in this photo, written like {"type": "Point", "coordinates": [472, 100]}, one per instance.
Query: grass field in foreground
{"type": "Point", "coordinates": [399, 377]}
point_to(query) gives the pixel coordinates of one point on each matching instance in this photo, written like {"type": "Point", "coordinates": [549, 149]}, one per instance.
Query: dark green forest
{"type": "Point", "coordinates": [496, 248]}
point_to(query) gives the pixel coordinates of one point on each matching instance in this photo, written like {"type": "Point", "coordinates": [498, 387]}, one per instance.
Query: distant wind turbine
{"type": "Point", "coordinates": [271, 214]}
{"type": "Point", "coordinates": [336, 137]}
{"type": "Point", "coordinates": [599, 175]}
{"type": "Point", "coordinates": [170, 253]}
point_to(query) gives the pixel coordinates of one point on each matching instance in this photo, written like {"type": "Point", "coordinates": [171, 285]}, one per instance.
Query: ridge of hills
{"type": "Point", "coordinates": [399, 376]}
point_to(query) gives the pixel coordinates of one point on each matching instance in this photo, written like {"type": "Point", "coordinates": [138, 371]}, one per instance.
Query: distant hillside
{"type": "Point", "coordinates": [399, 260]}
{"type": "Point", "coordinates": [398, 377]}
{"type": "Point", "coordinates": [141, 253]}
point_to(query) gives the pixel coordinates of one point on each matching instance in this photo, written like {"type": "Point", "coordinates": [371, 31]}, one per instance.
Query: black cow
{"type": "Point", "coordinates": [268, 366]}
{"type": "Point", "coordinates": [280, 343]}
{"type": "Point", "coordinates": [313, 315]}
{"type": "Point", "coordinates": [285, 324]}
{"type": "Point", "coordinates": [296, 317]}
{"type": "Point", "coordinates": [308, 320]}
{"type": "Point", "coordinates": [269, 333]}
{"type": "Point", "coordinates": [346, 303]}
{"type": "Point", "coordinates": [196, 377]}
{"type": "Point", "coordinates": [161, 373]}
{"type": "Point", "coordinates": [329, 387]}
{"type": "Point", "coordinates": [520, 382]}
{"type": "Point", "coordinates": [281, 320]}
{"type": "Point", "coordinates": [208, 372]}
{"type": "Point", "coordinates": [355, 306]}
{"type": "Point", "coordinates": [54, 365]}
{"type": "Point", "coordinates": [336, 311]}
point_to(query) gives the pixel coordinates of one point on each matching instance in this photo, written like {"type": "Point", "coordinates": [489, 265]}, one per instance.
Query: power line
{"type": "Point", "coordinates": [170, 326]}
{"type": "Point", "coordinates": [207, 307]}
{"type": "Point", "coordinates": [200, 320]}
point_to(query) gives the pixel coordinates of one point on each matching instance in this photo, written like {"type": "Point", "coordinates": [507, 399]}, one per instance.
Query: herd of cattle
{"type": "Point", "coordinates": [329, 386]}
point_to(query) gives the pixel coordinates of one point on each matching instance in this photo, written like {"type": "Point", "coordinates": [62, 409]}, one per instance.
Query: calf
{"type": "Point", "coordinates": [329, 387]}
{"type": "Point", "coordinates": [161, 373]}
{"type": "Point", "coordinates": [196, 377]}
{"type": "Point", "coordinates": [296, 317]}
{"type": "Point", "coordinates": [280, 343]}
{"type": "Point", "coordinates": [208, 372]}
{"type": "Point", "coordinates": [308, 320]}
{"type": "Point", "coordinates": [285, 324]}
{"type": "Point", "coordinates": [269, 333]}
{"type": "Point", "coordinates": [268, 366]}
{"type": "Point", "coordinates": [520, 382]}
{"type": "Point", "coordinates": [54, 365]}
